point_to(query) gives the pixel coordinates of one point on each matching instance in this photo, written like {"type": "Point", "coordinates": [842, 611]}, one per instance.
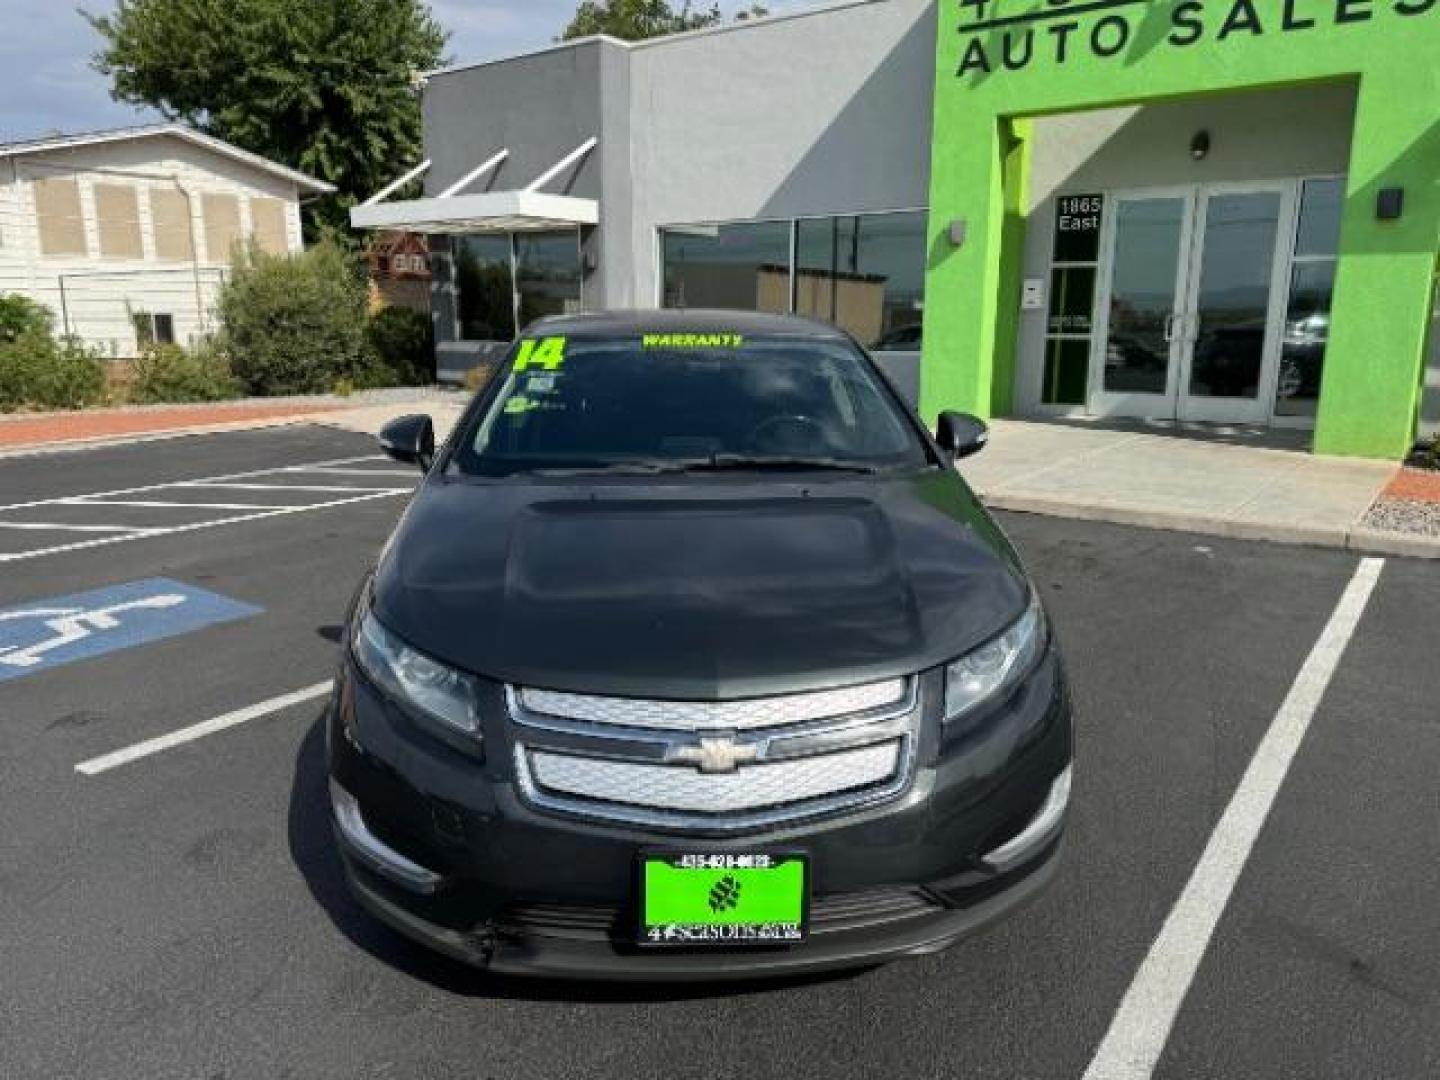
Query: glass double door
{"type": "Point", "coordinates": [1191, 304]}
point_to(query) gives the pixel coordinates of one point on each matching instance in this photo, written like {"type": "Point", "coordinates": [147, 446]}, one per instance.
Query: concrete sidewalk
{"type": "Point", "coordinates": [1173, 481]}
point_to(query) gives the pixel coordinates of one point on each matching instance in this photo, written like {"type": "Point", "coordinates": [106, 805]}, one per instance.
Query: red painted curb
{"type": "Point", "coordinates": [80, 426]}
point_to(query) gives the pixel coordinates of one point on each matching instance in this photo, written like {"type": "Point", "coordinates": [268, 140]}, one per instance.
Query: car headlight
{"type": "Point", "coordinates": [997, 664]}
{"type": "Point", "coordinates": [435, 690]}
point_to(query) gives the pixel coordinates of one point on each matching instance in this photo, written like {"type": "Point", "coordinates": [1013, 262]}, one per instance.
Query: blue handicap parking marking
{"type": "Point", "coordinates": [46, 634]}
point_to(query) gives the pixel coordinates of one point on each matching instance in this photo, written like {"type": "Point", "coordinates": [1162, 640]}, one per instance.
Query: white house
{"type": "Point", "coordinates": [126, 235]}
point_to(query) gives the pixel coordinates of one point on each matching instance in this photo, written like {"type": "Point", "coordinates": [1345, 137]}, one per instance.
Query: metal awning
{"type": "Point", "coordinates": [529, 209]}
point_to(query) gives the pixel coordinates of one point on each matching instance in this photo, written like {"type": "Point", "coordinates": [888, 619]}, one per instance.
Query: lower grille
{"type": "Point", "coordinates": [837, 913]}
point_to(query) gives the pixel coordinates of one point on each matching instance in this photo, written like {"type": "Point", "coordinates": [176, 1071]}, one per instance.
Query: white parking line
{"type": "Point", "coordinates": [200, 479]}
{"type": "Point", "coordinates": [1142, 1025]}
{"type": "Point", "coordinates": [49, 526]}
{"type": "Point", "coordinates": [157, 504]}
{"type": "Point", "coordinates": [150, 747]}
{"type": "Point", "coordinates": [196, 488]}
{"type": "Point", "coordinates": [329, 471]}
{"type": "Point", "coordinates": [83, 545]}
{"type": "Point", "coordinates": [316, 488]}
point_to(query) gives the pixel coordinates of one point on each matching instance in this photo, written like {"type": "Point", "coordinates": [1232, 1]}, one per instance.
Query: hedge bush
{"type": "Point", "coordinates": [20, 315]}
{"type": "Point", "coordinates": [295, 324]}
{"type": "Point", "coordinates": [38, 372]}
{"type": "Point", "coordinates": [170, 373]}
{"type": "Point", "coordinates": [403, 342]}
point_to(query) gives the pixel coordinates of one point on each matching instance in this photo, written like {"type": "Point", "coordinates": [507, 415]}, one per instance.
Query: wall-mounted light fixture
{"type": "Point", "coordinates": [956, 232]}
{"type": "Point", "coordinates": [1200, 145]}
{"type": "Point", "coordinates": [1390, 204]}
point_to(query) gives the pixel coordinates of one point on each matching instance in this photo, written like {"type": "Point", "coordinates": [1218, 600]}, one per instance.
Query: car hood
{"type": "Point", "coordinates": [698, 588]}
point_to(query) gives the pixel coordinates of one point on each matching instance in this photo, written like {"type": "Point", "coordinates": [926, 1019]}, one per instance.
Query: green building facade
{"type": "Point", "coordinates": [1227, 300]}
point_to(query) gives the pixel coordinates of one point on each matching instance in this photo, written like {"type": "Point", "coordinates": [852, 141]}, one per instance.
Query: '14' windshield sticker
{"type": "Point", "coordinates": [547, 353]}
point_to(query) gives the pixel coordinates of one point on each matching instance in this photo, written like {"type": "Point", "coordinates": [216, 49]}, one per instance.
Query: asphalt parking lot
{"type": "Point", "coordinates": [171, 906]}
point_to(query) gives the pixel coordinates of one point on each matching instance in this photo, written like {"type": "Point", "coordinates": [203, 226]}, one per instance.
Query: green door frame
{"type": "Point", "coordinates": [1001, 62]}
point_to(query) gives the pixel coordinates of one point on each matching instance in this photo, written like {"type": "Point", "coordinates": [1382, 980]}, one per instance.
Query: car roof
{"type": "Point", "coordinates": [685, 321]}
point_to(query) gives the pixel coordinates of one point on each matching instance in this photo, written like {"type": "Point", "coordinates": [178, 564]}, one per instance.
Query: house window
{"type": "Point", "coordinates": [117, 217]}
{"type": "Point", "coordinates": [268, 218]}
{"type": "Point", "coordinates": [153, 328]}
{"type": "Point", "coordinates": [57, 208]}
{"type": "Point", "coordinates": [170, 219]}
{"type": "Point", "coordinates": [222, 226]}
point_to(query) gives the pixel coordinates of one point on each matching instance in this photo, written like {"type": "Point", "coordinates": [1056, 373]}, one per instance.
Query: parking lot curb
{"type": "Point", "coordinates": [1382, 542]}
{"type": "Point", "coordinates": [61, 446]}
{"type": "Point", "coordinates": [1354, 538]}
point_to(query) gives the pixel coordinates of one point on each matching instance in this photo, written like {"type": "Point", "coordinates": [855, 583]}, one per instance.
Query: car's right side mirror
{"type": "Point", "coordinates": [410, 439]}
{"type": "Point", "coordinates": [960, 434]}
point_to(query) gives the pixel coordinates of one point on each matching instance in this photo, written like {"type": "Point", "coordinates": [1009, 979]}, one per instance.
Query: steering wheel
{"type": "Point", "coordinates": [788, 434]}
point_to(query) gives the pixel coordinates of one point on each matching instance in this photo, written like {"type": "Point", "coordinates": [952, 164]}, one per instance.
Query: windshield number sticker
{"type": "Point", "coordinates": [692, 341]}
{"type": "Point", "coordinates": [547, 353]}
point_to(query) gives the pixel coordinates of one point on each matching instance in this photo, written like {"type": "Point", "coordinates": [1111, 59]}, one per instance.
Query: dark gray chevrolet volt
{"type": "Point", "coordinates": [694, 657]}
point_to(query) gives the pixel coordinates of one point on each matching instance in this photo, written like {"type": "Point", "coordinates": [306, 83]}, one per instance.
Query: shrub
{"type": "Point", "coordinates": [36, 371]}
{"type": "Point", "coordinates": [20, 315]}
{"type": "Point", "coordinates": [403, 341]}
{"type": "Point", "coordinates": [171, 373]}
{"type": "Point", "coordinates": [294, 324]}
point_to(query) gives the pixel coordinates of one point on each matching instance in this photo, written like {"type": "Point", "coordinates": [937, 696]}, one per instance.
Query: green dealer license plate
{"type": "Point", "coordinates": [708, 898]}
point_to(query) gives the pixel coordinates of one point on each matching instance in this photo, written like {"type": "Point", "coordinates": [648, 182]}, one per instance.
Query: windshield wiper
{"type": "Point", "coordinates": [638, 467]}
{"type": "Point", "coordinates": [714, 463]}
{"type": "Point", "coordinates": [741, 462]}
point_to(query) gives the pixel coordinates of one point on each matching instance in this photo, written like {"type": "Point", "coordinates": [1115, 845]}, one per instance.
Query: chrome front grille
{"type": "Point", "coordinates": [715, 766]}
{"type": "Point", "coordinates": [753, 714]}
{"type": "Point", "coordinates": [668, 787]}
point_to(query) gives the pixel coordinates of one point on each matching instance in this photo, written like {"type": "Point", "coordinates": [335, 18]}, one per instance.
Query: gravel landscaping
{"type": "Point", "coordinates": [1413, 516]}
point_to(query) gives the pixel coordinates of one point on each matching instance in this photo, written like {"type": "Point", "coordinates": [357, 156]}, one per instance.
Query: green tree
{"type": "Point", "coordinates": [324, 86]}
{"type": "Point", "coordinates": [633, 20]}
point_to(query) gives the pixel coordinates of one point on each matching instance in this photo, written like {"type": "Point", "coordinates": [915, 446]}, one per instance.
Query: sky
{"type": "Point", "coordinates": [46, 48]}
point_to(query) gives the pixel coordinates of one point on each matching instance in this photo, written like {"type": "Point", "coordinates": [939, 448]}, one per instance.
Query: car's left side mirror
{"type": "Point", "coordinates": [410, 439]}
{"type": "Point", "coordinates": [960, 434]}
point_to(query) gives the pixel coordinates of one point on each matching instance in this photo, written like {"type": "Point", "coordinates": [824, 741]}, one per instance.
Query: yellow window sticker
{"type": "Point", "coordinates": [692, 341]}
{"type": "Point", "coordinates": [517, 405]}
{"type": "Point", "coordinates": [547, 353]}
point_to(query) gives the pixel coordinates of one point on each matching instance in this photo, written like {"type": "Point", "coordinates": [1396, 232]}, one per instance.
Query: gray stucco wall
{"type": "Point", "coordinates": [819, 113]}
{"type": "Point", "coordinates": [822, 113]}
{"type": "Point", "coordinates": [540, 107]}
{"type": "Point", "coordinates": [1276, 134]}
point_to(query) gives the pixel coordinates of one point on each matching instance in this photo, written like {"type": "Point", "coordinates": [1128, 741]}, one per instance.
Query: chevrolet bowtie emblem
{"type": "Point", "coordinates": [716, 755]}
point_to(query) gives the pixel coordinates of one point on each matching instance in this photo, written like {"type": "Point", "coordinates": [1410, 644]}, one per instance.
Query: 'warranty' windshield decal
{"type": "Point", "coordinates": [692, 341]}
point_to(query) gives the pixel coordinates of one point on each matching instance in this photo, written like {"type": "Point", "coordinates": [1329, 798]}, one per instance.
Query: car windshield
{"type": "Point", "coordinates": [672, 402]}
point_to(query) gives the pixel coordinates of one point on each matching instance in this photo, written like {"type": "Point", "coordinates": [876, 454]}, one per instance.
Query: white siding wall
{"type": "Point", "coordinates": [100, 292]}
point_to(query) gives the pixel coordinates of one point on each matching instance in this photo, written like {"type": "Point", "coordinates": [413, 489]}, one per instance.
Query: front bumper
{"type": "Point", "coordinates": [444, 848]}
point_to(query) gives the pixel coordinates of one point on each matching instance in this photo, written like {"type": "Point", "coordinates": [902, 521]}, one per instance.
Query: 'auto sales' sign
{"type": "Point", "coordinates": [1001, 38]}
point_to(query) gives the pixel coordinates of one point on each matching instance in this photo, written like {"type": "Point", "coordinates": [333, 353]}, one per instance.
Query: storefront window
{"type": "Point", "coordinates": [547, 280]}
{"type": "Point", "coordinates": [482, 277]}
{"type": "Point", "coordinates": [547, 267]}
{"type": "Point", "coordinates": [741, 266]}
{"type": "Point", "coordinates": [1307, 312]}
{"type": "Point", "coordinates": [865, 273]}
{"type": "Point", "coordinates": [1070, 320]}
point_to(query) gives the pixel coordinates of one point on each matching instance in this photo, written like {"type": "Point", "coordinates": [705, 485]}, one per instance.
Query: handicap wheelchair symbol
{"type": "Point", "coordinates": [68, 625]}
